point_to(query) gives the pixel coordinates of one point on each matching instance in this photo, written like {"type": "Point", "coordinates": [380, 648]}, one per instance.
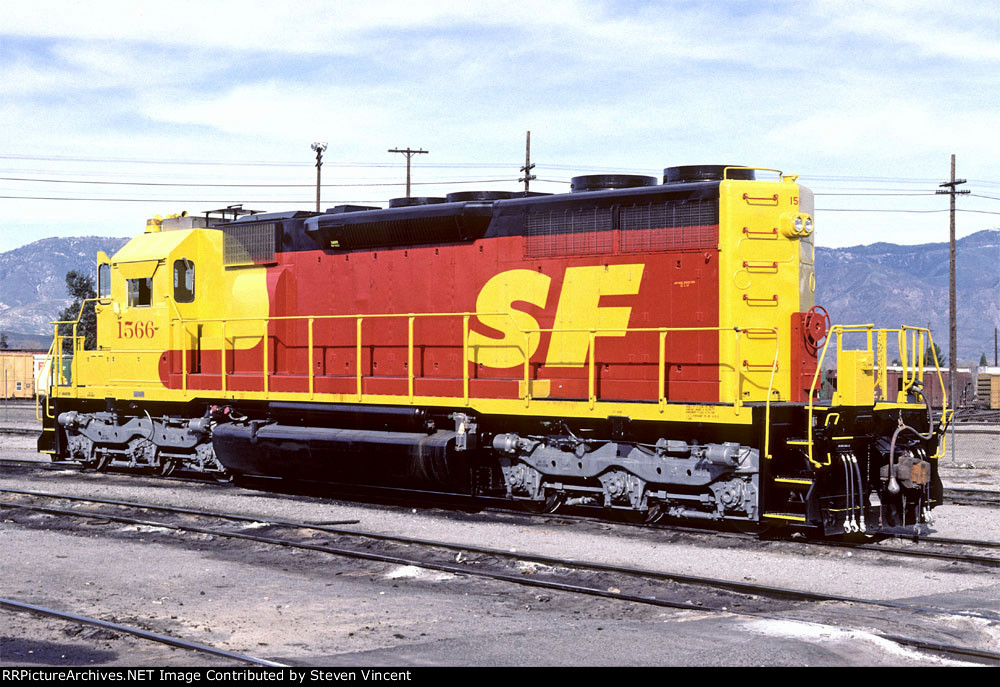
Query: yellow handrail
{"type": "Point", "coordinates": [225, 324]}
{"type": "Point", "coordinates": [593, 333]}
{"type": "Point", "coordinates": [910, 374]}
{"type": "Point", "coordinates": [48, 386]}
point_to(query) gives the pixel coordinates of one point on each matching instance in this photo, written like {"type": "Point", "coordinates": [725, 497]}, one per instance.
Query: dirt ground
{"type": "Point", "coordinates": [305, 608]}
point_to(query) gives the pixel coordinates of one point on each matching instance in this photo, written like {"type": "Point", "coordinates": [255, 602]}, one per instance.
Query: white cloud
{"type": "Point", "coordinates": [853, 89]}
{"type": "Point", "coordinates": [966, 31]}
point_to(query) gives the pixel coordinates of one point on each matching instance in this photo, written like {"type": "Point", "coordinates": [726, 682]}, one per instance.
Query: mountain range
{"type": "Point", "coordinates": [33, 284]}
{"type": "Point", "coordinates": [884, 284]}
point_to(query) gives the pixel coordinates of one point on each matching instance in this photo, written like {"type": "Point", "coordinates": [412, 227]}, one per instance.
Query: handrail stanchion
{"type": "Point", "coordinates": [944, 398]}
{"type": "Point", "coordinates": [527, 369]}
{"type": "Point", "coordinates": [184, 362]}
{"type": "Point", "coordinates": [465, 358]}
{"type": "Point", "coordinates": [312, 363]}
{"type": "Point", "coordinates": [662, 380]}
{"type": "Point", "coordinates": [50, 381]}
{"type": "Point", "coordinates": [76, 357]}
{"type": "Point", "coordinates": [812, 397]}
{"type": "Point", "coordinates": [738, 372]}
{"type": "Point", "coordinates": [591, 370]}
{"type": "Point", "coordinates": [904, 366]}
{"type": "Point", "coordinates": [222, 349]}
{"type": "Point", "coordinates": [882, 371]}
{"type": "Point", "coordinates": [922, 353]}
{"type": "Point", "coordinates": [48, 385]}
{"type": "Point", "coordinates": [62, 362]}
{"type": "Point", "coordinates": [358, 355]}
{"type": "Point", "coordinates": [267, 365]}
{"type": "Point", "coordinates": [409, 356]}
{"type": "Point", "coordinates": [767, 409]}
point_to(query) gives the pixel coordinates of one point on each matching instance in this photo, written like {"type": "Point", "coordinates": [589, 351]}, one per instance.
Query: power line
{"type": "Point", "coordinates": [149, 161]}
{"type": "Point", "coordinates": [862, 195]}
{"type": "Point", "coordinates": [251, 163]}
{"type": "Point", "coordinates": [183, 200]}
{"type": "Point", "coordinates": [455, 165]}
{"type": "Point", "coordinates": [978, 212]}
{"type": "Point", "coordinates": [383, 200]}
{"type": "Point", "coordinates": [212, 185]}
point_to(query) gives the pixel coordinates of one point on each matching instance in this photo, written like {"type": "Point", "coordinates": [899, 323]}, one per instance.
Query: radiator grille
{"type": "Point", "coordinates": [249, 244]}
{"type": "Point", "coordinates": [569, 232]}
{"type": "Point", "coordinates": [683, 225]}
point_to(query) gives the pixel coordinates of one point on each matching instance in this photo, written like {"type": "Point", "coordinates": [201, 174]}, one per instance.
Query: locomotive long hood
{"type": "Point", "coordinates": [443, 223]}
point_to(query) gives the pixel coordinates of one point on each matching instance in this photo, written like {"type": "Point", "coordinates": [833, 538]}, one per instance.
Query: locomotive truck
{"type": "Point", "coordinates": [640, 345]}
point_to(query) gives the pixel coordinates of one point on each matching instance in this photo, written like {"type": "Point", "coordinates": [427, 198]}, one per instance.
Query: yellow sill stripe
{"type": "Point", "coordinates": [722, 413]}
{"type": "Point", "coordinates": [785, 516]}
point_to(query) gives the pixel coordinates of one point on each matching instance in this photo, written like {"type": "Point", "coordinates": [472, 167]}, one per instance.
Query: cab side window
{"type": "Point", "coordinates": [140, 292]}
{"type": "Point", "coordinates": [104, 281]}
{"type": "Point", "coordinates": [183, 281]}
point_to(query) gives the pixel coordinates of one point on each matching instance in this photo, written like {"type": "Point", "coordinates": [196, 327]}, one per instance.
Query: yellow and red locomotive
{"type": "Point", "coordinates": [634, 345]}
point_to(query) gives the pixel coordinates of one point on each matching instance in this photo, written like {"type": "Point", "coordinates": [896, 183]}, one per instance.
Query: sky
{"type": "Point", "coordinates": [113, 112]}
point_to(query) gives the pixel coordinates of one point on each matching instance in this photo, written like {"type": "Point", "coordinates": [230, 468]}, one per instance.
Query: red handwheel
{"type": "Point", "coordinates": [817, 325]}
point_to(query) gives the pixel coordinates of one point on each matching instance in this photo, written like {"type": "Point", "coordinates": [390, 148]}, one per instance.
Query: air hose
{"type": "Point", "coordinates": [893, 483]}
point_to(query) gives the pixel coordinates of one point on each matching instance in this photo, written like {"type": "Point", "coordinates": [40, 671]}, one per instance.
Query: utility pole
{"type": "Point", "coordinates": [952, 302]}
{"type": "Point", "coordinates": [528, 176]}
{"type": "Point", "coordinates": [409, 152]}
{"type": "Point", "coordinates": [319, 148]}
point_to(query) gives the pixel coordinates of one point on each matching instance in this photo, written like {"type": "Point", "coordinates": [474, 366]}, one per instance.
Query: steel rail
{"type": "Point", "coordinates": [144, 634]}
{"type": "Point", "coordinates": [958, 542]}
{"type": "Point", "coordinates": [40, 464]}
{"type": "Point", "coordinates": [729, 585]}
{"type": "Point", "coordinates": [566, 587]}
{"type": "Point", "coordinates": [73, 465]}
{"type": "Point", "coordinates": [988, 498]}
{"type": "Point", "coordinates": [504, 508]}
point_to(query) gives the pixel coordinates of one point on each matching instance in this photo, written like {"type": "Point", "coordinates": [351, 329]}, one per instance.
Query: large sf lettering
{"type": "Point", "coordinates": [577, 314]}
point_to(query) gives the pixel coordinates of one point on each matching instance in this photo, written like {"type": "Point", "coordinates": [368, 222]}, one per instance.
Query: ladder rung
{"type": "Point", "coordinates": [804, 481]}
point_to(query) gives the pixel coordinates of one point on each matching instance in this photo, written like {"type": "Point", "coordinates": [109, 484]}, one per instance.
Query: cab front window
{"type": "Point", "coordinates": [140, 292]}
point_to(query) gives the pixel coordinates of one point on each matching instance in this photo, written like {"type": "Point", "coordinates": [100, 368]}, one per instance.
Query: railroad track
{"type": "Point", "coordinates": [930, 547]}
{"type": "Point", "coordinates": [12, 605]}
{"type": "Point", "coordinates": [621, 583]}
{"type": "Point", "coordinates": [973, 497]}
{"type": "Point", "coordinates": [17, 431]}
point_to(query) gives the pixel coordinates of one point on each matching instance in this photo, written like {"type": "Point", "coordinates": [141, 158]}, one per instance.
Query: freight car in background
{"type": "Point", "coordinates": [18, 373]}
{"type": "Point", "coordinates": [631, 345]}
